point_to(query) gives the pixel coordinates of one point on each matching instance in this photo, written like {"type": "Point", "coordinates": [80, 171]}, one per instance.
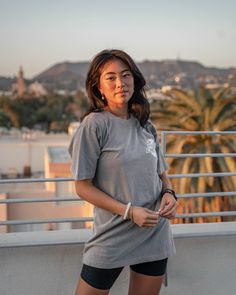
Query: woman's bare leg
{"type": "Point", "coordinates": [144, 285]}
{"type": "Point", "coordinates": [85, 289]}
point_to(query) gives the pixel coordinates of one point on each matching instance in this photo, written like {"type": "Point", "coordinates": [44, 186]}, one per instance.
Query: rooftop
{"type": "Point", "coordinates": [48, 262]}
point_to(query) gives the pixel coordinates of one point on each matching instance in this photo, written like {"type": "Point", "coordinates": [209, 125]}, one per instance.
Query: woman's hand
{"type": "Point", "coordinates": [144, 217]}
{"type": "Point", "coordinates": [168, 206]}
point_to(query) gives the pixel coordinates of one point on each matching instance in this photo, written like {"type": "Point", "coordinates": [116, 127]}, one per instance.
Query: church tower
{"type": "Point", "coordinates": [21, 89]}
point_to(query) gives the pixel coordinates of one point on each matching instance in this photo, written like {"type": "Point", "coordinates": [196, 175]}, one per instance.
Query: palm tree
{"type": "Point", "coordinates": [9, 111]}
{"type": "Point", "coordinates": [203, 110]}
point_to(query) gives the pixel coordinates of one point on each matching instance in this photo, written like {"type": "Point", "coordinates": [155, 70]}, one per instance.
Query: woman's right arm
{"type": "Point", "coordinates": [143, 217]}
{"type": "Point", "coordinates": [88, 192]}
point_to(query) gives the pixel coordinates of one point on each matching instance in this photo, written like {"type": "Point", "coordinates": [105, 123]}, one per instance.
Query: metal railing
{"type": "Point", "coordinates": [86, 219]}
{"type": "Point", "coordinates": [164, 135]}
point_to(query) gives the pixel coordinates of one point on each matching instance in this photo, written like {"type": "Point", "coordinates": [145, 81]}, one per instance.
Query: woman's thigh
{"type": "Point", "coordinates": [84, 288]}
{"type": "Point", "coordinates": [97, 281]}
{"type": "Point", "coordinates": [144, 285]}
{"type": "Point", "coordinates": [146, 278]}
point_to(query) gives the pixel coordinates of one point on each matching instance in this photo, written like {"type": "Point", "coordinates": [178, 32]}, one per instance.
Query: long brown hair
{"type": "Point", "coordinates": [138, 105]}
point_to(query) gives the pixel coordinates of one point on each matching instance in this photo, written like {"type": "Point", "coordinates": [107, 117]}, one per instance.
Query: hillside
{"type": "Point", "coordinates": [157, 73]}
{"type": "Point", "coordinates": [71, 76]}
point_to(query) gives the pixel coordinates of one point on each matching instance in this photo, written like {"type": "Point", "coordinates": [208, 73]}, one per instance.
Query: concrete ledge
{"type": "Point", "coordinates": [204, 263]}
{"type": "Point", "coordinates": [44, 238]}
{"type": "Point", "coordinates": [80, 236]}
{"type": "Point", "coordinates": [204, 229]}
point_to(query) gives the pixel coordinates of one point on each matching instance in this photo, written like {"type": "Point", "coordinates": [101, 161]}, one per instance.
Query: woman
{"type": "Point", "coordinates": [119, 168]}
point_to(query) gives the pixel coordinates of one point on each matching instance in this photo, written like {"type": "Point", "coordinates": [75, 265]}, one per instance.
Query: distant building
{"type": "Point", "coordinates": [37, 89]}
{"type": "Point", "coordinates": [21, 90]}
{"type": "Point", "coordinates": [47, 156]}
{"type": "Point", "coordinates": [19, 87]}
{"type": "Point", "coordinates": [166, 88]}
{"type": "Point", "coordinates": [154, 94]}
{"type": "Point", "coordinates": [216, 85]}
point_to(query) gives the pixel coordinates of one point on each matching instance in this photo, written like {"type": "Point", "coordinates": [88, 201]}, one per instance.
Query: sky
{"type": "Point", "coordinates": [39, 33]}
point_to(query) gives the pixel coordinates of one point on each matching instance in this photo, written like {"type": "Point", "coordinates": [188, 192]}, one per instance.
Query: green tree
{"type": "Point", "coordinates": [55, 110]}
{"type": "Point", "coordinates": [79, 106]}
{"type": "Point", "coordinates": [203, 110]}
{"type": "Point", "coordinates": [5, 121]}
{"type": "Point", "coordinates": [6, 104]}
{"type": "Point", "coordinates": [52, 113]}
{"type": "Point", "coordinates": [27, 109]}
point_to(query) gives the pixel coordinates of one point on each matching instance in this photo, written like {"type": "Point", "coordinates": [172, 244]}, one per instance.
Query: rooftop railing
{"type": "Point", "coordinates": [164, 135]}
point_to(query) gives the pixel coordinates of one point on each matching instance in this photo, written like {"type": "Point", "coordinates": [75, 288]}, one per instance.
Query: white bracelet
{"type": "Point", "coordinates": [127, 210]}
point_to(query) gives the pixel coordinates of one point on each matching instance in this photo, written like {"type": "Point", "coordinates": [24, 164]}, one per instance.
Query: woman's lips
{"type": "Point", "coordinates": [121, 92]}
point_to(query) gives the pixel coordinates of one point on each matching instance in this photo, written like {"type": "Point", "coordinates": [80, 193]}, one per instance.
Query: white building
{"type": "Point", "coordinates": [45, 156]}
{"type": "Point", "coordinates": [18, 150]}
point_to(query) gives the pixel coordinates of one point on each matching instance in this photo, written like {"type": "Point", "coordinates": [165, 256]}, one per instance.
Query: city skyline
{"type": "Point", "coordinates": [37, 34]}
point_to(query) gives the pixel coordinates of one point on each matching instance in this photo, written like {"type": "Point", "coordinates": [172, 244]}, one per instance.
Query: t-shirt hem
{"type": "Point", "coordinates": [131, 261]}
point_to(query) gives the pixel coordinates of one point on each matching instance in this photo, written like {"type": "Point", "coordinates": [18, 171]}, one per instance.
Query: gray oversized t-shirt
{"type": "Point", "coordinates": [124, 161]}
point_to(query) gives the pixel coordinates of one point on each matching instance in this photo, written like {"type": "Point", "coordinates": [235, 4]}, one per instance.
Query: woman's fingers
{"type": "Point", "coordinates": [169, 211]}
{"type": "Point", "coordinates": [168, 205]}
{"type": "Point", "coordinates": [147, 218]}
{"type": "Point", "coordinates": [151, 219]}
{"type": "Point", "coordinates": [144, 217]}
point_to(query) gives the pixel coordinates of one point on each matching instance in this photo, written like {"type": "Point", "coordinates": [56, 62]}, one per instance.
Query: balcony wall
{"type": "Point", "coordinates": [49, 263]}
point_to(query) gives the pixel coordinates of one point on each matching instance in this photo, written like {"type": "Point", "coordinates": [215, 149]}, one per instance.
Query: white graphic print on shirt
{"type": "Point", "coordinates": [151, 147]}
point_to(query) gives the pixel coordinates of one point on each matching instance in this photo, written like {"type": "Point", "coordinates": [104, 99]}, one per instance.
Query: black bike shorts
{"type": "Point", "coordinates": [104, 279]}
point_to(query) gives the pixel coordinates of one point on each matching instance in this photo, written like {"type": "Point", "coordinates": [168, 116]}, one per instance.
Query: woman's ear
{"type": "Point", "coordinates": [100, 89]}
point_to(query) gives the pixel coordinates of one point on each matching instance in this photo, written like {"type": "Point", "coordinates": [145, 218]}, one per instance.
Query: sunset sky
{"type": "Point", "coordinates": [38, 34]}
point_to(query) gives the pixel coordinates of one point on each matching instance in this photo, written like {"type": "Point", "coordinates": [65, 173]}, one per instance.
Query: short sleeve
{"type": "Point", "coordinates": [85, 150]}
{"type": "Point", "coordinates": [161, 163]}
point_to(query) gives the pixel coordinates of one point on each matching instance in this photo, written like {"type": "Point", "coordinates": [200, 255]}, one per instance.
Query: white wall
{"type": "Point", "coordinates": [202, 266]}
{"type": "Point", "coordinates": [17, 153]}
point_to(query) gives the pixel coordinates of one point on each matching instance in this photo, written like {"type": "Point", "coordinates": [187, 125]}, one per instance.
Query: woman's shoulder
{"type": "Point", "coordinates": [95, 122]}
{"type": "Point", "coordinates": [95, 119]}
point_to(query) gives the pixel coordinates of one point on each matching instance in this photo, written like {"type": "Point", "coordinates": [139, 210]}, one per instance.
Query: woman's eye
{"type": "Point", "coordinates": [126, 74]}
{"type": "Point", "coordinates": [110, 78]}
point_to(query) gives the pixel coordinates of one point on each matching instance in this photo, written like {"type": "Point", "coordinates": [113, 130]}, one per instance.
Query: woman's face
{"type": "Point", "coordinates": [116, 83]}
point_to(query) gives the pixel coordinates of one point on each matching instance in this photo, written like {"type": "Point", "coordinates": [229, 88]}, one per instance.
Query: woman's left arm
{"type": "Point", "coordinates": [168, 205]}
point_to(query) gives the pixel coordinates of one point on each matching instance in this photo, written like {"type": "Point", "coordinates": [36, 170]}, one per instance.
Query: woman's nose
{"type": "Point", "coordinates": [120, 82]}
